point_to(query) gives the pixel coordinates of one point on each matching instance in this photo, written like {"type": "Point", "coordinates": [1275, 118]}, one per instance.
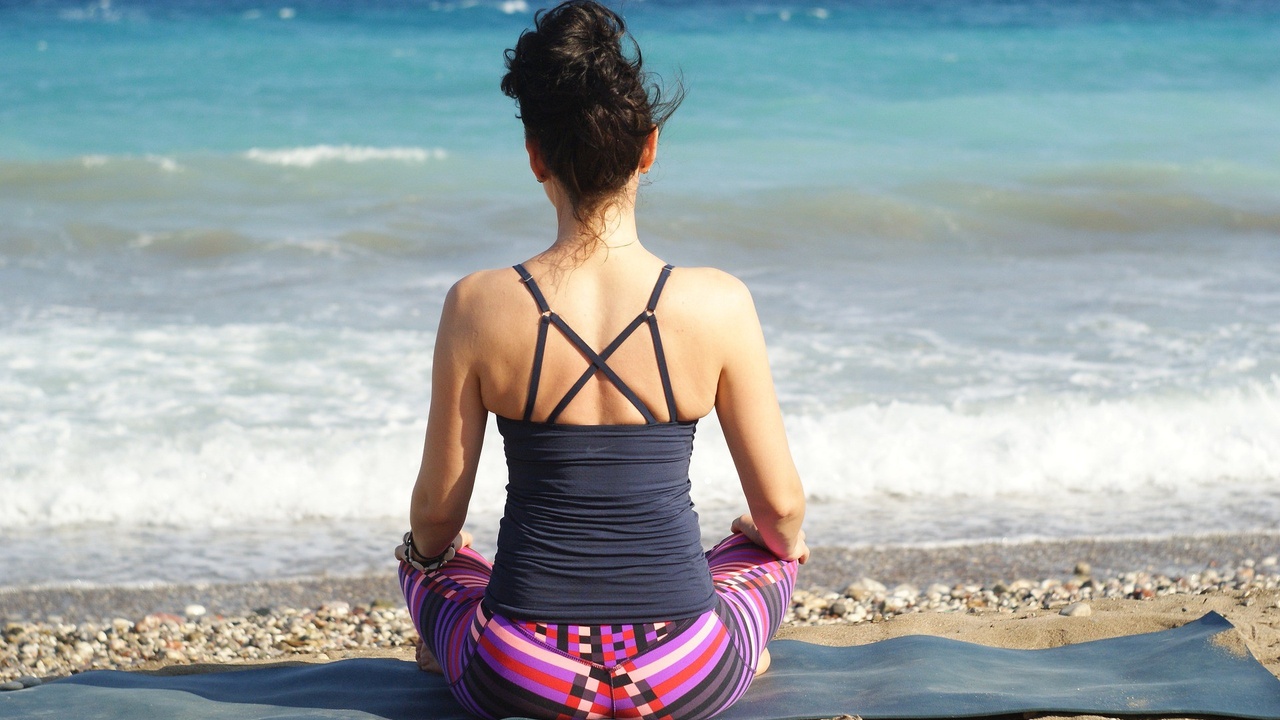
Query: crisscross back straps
{"type": "Point", "coordinates": [591, 369]}
{"type": "Point", "coordinates": [598, 361]}
{"type": "Point", "coordinates": [532, 396]}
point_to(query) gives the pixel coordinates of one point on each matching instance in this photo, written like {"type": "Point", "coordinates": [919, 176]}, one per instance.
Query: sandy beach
{"type": "Point", "coordinates": [1022, 596]}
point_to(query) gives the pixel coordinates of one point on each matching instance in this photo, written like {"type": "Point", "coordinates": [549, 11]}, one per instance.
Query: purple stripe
{"type": "Point", "coordinates": [754, 589]}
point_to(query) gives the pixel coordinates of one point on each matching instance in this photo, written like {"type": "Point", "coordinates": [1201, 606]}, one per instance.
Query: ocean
{"type": "Point", "coordinates": [1018, 264]}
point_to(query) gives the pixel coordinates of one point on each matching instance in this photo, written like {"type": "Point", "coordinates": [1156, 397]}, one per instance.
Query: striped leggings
{"type": "Point", "coordinates": [685, 669]}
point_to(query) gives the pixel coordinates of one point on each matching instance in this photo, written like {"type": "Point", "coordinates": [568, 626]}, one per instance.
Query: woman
{"type": "Point", "coordinates": [600, 601]}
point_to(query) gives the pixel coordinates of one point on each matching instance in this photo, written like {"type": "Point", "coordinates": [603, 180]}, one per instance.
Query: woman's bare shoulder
{"type": "Point", "coordinates": [713, 294]}
{"type": "Point", "coordinates": [477, 295]}
{"type": "Point", "coordinates": [483, 282]}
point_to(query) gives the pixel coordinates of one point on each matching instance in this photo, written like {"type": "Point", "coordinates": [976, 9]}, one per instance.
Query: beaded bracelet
{"type": "Point", "coordinates": [409, 554]}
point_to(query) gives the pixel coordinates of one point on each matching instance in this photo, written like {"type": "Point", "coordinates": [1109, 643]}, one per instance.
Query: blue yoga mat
{"type": "Point", "coordinates": [1185, 671]}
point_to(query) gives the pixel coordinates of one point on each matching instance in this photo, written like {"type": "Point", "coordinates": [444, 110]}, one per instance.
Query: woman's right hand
{"type": "Point", "coordinates": [463, 539]}
{"type": "Point", "coordinates": [745, 526]}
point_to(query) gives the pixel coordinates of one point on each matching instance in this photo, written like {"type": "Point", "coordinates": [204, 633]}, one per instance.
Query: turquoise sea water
{"type": "Point", "coordinates": [1018, 263]}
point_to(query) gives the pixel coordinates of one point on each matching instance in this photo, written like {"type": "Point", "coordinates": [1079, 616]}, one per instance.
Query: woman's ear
{"type": "Point", "coordinates": [649, 153]}
{"type": "Point", "coordinates": [536, 162]}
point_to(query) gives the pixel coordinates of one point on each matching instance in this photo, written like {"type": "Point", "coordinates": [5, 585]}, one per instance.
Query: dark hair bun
{"type": "Point", "coordinates": [587, 105]}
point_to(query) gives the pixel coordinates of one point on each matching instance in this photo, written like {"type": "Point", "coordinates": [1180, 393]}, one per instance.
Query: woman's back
{"type": "Point", "coordinates": [701, 314]}
{"type": "Point", "coordinates": [600, 507]}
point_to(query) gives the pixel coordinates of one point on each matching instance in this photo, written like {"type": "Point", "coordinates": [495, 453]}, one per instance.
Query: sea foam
{"type": "Point", "coordinates": [312, 155]}
{"type": "Point", "coordinates": [206, 425]}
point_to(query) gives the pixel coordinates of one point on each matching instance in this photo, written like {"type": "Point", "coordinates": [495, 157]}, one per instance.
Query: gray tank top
{"type": "Point", "coordinates": [599, 527]}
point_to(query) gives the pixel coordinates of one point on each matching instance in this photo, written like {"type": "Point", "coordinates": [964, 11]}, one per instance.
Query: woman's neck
{"type": "Point", "coordinates": [612, 231]}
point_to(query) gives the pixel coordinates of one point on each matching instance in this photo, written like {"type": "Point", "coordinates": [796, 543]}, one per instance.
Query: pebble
{"type": "Point", "coordinates": [11, 685]}
{"type": "Point", "coordinates": [865, 588]}
{"type": "Point", "coordinates": [194, 610]}
{"type": "Point", "coordinates": [1077, 609]}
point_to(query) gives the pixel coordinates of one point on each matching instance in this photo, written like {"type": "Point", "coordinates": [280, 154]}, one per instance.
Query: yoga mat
{"type": "Point", "coordinates": [1191, 670]}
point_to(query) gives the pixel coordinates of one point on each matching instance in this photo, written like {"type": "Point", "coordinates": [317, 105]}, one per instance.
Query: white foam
{"type": "Point", "coordinates": [199, 425]}
{"type": "Point", "coordinates": [275, 450]}
{"type": "Point", "coordinates": [312, 155]}
{"type": "Point", "coordinates": [224, 475]}
{"type": "Point", "coordinates": [164, 163]}
{"type": "Point", "coordinates": [1048, 447]}
{"type": "Point", "coordinates": [512, 7]}
{"type": "Point", "coordinates": [1056, 444]}
{"type": "Point", "coordinates": [167, 164]}
{"type": "Point", "coordinates": [95, 11]}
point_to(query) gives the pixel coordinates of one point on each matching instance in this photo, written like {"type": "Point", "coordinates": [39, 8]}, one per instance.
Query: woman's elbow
{"type": "Point", "coordinates": [785, 512]}
{"type": "Point", "coordinates": [433, 517]}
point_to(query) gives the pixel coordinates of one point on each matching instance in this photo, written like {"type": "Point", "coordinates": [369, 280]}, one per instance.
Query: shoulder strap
{"type": "Point", "coordinates": [533, 288]}
{"type": "Point", "coordinates": [657, 287]}
{"type": "Point", "coordinates": [532, 396]}
{"type": "Point", "coordinates": [658, 355]}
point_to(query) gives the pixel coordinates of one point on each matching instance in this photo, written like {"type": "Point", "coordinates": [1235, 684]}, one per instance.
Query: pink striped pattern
{"type": "Point", "coordinates": [684, 669]}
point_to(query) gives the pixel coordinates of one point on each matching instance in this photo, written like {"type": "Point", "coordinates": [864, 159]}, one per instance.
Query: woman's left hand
{"type": "Point", "coordinates": [744, 525]}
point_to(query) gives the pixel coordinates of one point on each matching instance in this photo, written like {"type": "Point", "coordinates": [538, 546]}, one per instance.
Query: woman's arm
{"type": "Point", "coordinates": [455, 431]}
{"type": "Point", "coordinates": [747, 406]}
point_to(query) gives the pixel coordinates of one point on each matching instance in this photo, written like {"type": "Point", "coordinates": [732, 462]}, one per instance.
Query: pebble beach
{"type": "Point", "coordinates": [1016, 264]}
{"type": "Point", "coordinates": [171, 630]}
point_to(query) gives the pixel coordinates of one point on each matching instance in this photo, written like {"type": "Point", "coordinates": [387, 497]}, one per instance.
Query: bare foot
{"type": "Point", "coordinates": [763, 665]}
{"type": "Point", "coordinates": [426, 661]}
